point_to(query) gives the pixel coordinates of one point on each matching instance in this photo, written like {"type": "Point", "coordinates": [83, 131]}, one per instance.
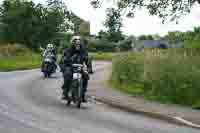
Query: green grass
{"type": "Point", "coordinates": [192, 44]}
{"type": "Point", "coordinates": [31, 61]}
{"type": "Point", "coordinates": [10, 63]}
{"type": "Point", "coordinates": [18, 57]}
{"type": "Point", "coordinates": [170, 76]}
{"type": "Point", "coordinates": [102, 56]}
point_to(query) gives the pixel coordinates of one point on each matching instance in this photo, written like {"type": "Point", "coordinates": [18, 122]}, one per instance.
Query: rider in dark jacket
{"type": "Point", "coordinates": [78, 55]}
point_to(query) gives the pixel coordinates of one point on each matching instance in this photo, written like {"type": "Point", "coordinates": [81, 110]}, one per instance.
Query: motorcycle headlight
{"type": "Point", "coordinates": [47, 60]}
{"type": "Point", "coordinates": [77, 76]}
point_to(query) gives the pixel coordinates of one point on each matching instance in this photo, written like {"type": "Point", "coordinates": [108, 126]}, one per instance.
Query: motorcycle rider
{"type": "Point", "coordinates": [75, 54]}
{"type": "Point", "coordinates": [50, 48]}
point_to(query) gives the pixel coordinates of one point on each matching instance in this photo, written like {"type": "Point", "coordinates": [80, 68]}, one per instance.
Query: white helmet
{"type": "Point", "coordinates": [77, 37]}
{"type": "Point", "coordinates": [50, 46]}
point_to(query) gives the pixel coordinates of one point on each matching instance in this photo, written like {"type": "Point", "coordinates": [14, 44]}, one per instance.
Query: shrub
{"type": "Point", "coordinates": [192, 44]}
{"type": "Point", "coordinates": [127, 73]}
{"type": "Point", "coordinates": [13, 49]}
{"type": "Point", "coordinates": [164, 75]}
{"type": "Point", "coordinates": [101, 45]}
{"type": "Point", "coordinates": [125, 45]}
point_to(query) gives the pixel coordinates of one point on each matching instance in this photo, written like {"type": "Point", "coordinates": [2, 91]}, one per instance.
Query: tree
{"type": "Point", "coordinates": [102, 34]}
{"type": "Point", "coordinates": [113, 23]}
{"type": "Point", "coordinates": [77, 21]}
{"type": "Point", "coordinates": [150, 37]}
{"type": "Point", "coordinates": [84, 28]}
{"type": "Point", "coordinates": [172, 9]}
{"type": "Point", "coordinates": [32, 24]}
{"type": "Point", "coordinates": [146, 37]}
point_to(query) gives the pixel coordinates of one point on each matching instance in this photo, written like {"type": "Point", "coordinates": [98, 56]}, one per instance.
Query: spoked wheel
{"type": "Point", "coordinates": [79, 99]}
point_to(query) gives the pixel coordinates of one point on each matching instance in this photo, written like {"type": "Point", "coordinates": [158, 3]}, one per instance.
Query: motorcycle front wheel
{"type": "Point", "coordinates": [79, 98]}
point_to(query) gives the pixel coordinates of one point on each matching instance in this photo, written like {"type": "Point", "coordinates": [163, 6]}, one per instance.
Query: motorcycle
{"type": "Point", "coordinates": [48, 67]}
{"type": "Point", "coordinates": [75, 93]}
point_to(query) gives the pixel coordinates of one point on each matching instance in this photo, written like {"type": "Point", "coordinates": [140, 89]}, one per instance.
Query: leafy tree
{"type": "Point", "coordinates": [77, 21]}
{"type": "Point", "coordinates": [102, 34]}
{"type": "Point", "coordinates": [32, 24]}
{"type": "Point", "coordinates": [113, 23]}
{"type": "Point", "coordinates": [150, 37]}
{"type": "Point", "coordinates": [172, 9]}
{"type": "Point", "coordinates": [142, 37]}
{"type": "Point", "coordinates": [125, 45]}
{"type": "Point", "coordinates": [84, 28]}
{"type": "Point", "coordinates": [146, 37]}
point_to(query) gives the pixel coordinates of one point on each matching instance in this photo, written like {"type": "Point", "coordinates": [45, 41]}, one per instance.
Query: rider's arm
{"type": "Point", "coordinates": [66, 59]}
{"type": "Point", "coordinates": [86, 58]}
{"type": "Point", "coordinates": [44, 53]}
{"type": "Point", "coordinates": [62, 58]}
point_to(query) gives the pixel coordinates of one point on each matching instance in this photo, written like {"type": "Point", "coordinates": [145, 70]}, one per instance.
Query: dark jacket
{"type": "Point", "coordinates": [71, 55]}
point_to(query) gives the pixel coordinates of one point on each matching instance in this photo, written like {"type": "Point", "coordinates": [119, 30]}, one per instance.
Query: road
{"type": "Point", "coordinates": [31, 104]}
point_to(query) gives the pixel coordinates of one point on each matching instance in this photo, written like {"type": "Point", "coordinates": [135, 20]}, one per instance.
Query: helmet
{"type": "Point", "coordinates": [76, 42]}
{"type": "Point", "coordinates": [50, 46]}
{"type": "Point", "coordinates": [74, 38]}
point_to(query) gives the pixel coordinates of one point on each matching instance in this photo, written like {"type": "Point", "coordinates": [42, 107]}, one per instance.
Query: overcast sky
{"type": "Point", "coordinates": [141, 24]}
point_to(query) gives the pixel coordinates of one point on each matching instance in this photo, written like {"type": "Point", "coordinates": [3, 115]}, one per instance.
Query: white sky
{"type": "Point", "coordinates": [141, 24]}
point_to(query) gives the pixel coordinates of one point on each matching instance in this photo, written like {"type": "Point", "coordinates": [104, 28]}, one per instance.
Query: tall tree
{"type": "Point", "coordinates": [172, 9]}
{"type": "Point", "coordinates": [32, 24]}
{"type": "Point", "coordinates": [113, 23]}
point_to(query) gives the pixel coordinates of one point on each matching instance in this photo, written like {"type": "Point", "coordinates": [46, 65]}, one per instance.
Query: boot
{"type": "Point", "coordinates": [84, 99]}
{"type": "Point", "coordinates": [65, 93]}
{"type": "Point", "coordinates": [65, 96]}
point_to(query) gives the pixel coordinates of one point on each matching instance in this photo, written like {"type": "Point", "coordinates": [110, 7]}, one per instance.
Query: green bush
{"type": "Point", "coordinates": [125, 45]}
{"type": "Point", "coordinates": [192, 44]}
{"type": "Point", "coordinates": [13, 50]}
{"type": "Point", "coordinates": [101, 45]}
{"type": "Point", "coordinates": [127, 73]}
{"type": "Point", "coordinates": [164, 75]}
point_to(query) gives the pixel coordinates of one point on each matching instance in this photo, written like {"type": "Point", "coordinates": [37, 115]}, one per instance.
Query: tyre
{"type": "Point", "coordinates": [78, 104]}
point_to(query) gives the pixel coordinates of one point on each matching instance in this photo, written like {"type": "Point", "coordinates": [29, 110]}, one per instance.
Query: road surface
{"type": "Point", "coordinates": [31, 104]}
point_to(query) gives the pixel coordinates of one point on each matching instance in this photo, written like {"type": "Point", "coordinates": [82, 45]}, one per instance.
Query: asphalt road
{"type": "Point", "coordinates": [31, 104]}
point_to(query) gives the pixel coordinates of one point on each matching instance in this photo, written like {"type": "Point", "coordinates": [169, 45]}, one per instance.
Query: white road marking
{"type": "Point", "coordinates": [186, 122]}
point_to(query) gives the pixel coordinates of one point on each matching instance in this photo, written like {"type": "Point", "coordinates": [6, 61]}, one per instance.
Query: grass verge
{"type": "Point", "coordinates": [10, 63]}
{"type": "Point", "coordinates": [170, 76]}
{"type": "Point", "coordinates": [102, 56]}
{"type": "Point", "coordinates": [31, 61]}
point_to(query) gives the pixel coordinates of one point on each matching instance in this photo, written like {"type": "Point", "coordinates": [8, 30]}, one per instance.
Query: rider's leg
{"type": "Point", "coordinates": [42, 67]}
{"type": "Point", "coordinates": [84, 89]}
{"type": "Point", "coordinates": [67, 76]}
{"type": "Point", "coordinates": [66, 88]}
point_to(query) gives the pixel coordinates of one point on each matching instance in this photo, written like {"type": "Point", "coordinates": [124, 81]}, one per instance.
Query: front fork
{"type": "Point", "coordinates": [77, 89]}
